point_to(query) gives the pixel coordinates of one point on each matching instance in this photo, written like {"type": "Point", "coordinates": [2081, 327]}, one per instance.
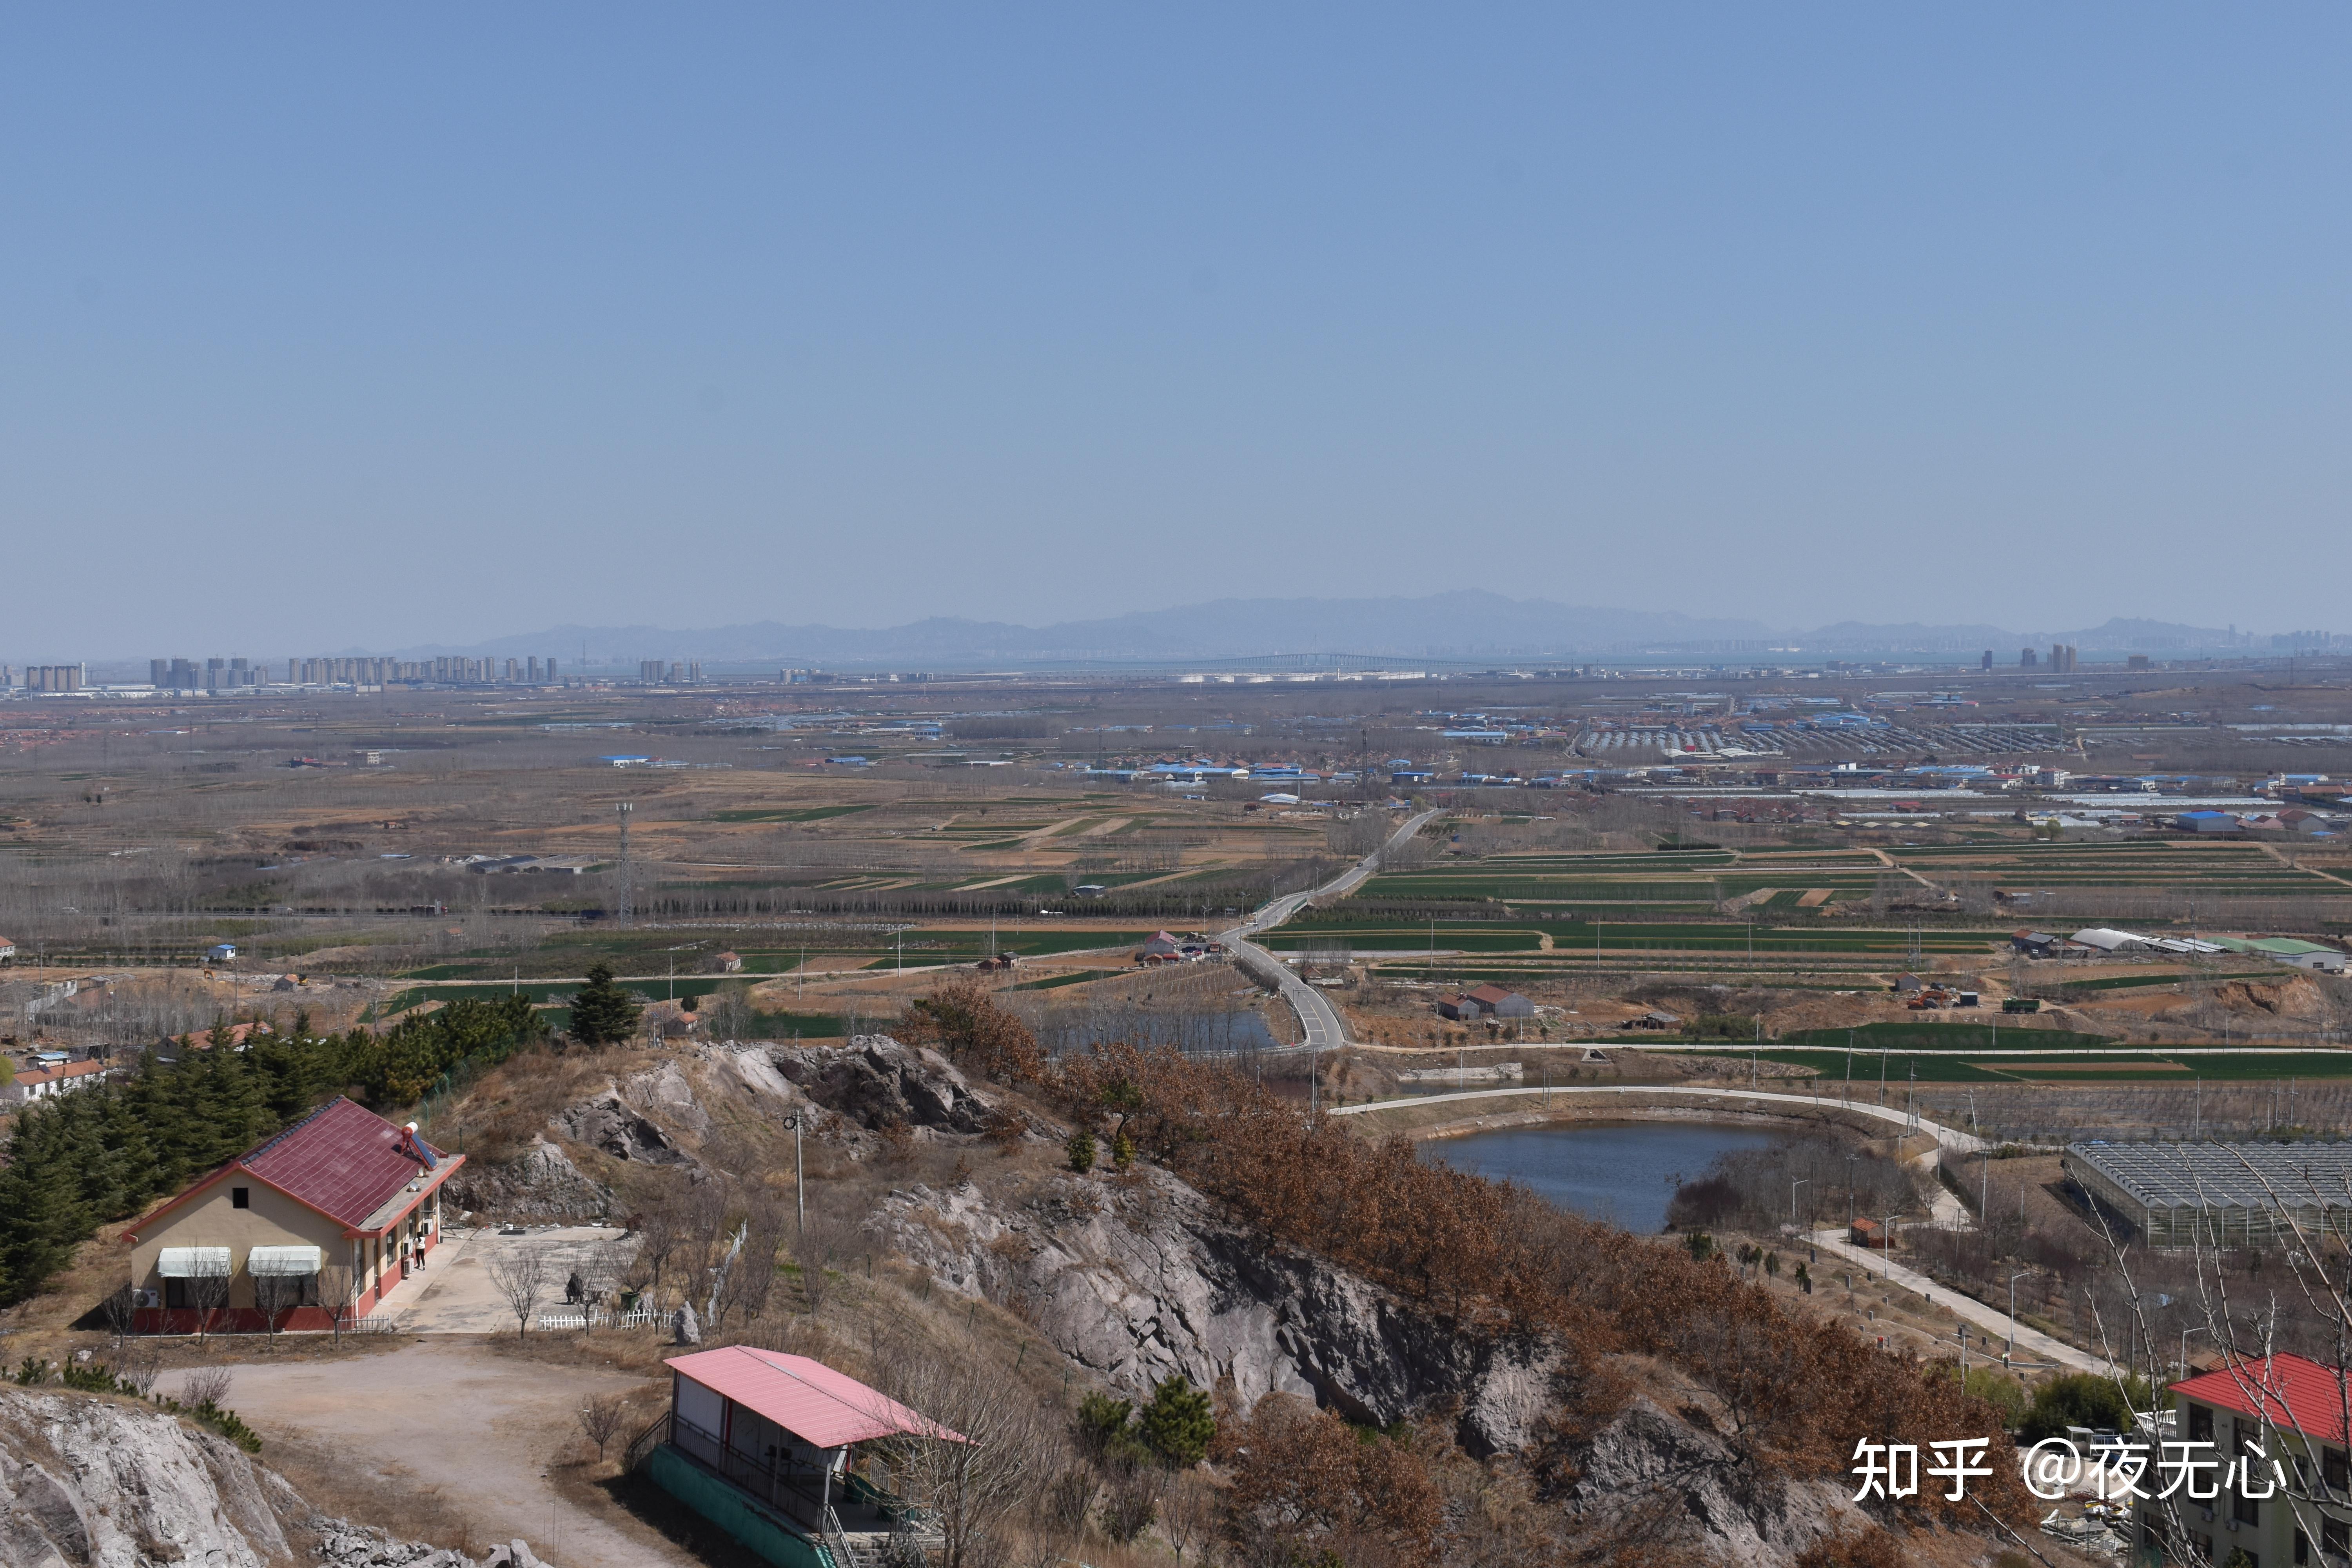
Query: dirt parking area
{"type": "Point", "coordinates": [489, 1434]}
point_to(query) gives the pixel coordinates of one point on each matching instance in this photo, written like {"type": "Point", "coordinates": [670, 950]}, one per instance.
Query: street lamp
{"type": "Point", "coordinates": [1849, 1190]}
{"type": "Point", "coordinates": [799, 1179]}
{"type": "Point", "coordinates": [2184, 1345]}
{"type": "Point", "coordinates": [1794, 1183]}
{"type": "Point", "coordinates": [2012, 1312]}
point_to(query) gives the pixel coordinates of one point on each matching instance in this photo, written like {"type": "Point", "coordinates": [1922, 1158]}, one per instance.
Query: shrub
{"type": "Point", "coordinates": [1179, 1424]}
{"type": "Point", "coordinates": [1081, 1150]}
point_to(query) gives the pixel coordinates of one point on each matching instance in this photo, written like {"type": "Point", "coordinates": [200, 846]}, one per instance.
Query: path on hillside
{"type": "Point", "coordinates": [1317, 1017]}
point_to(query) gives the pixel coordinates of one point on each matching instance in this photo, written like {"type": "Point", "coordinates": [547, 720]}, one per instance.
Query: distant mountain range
{"type": "Point", "coordinates": [1468, 624]}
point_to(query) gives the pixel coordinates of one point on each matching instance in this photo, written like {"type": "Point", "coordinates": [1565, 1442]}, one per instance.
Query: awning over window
{"type": "Point", "coordinates": [282, 1260]}
{"type": "Point", "coordinates": [192, 1262]}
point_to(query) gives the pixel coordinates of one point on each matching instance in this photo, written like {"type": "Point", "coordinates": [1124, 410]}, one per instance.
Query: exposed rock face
{"type": "Point", "coordinates": [1649, 1474]}
{"type": "Point", "coordinates": [610, 1125]}
{"type": "Point", "coordinates": [877, 1082]}
{"type": "Point", "coordinates": [1141, 1280]}
{"type": "Point", "coordinates": [539, 1183]}
{"type": "Point", "coordinates": [88, 1481]}
{"type": "Point", "coordinates": [666, 1093]}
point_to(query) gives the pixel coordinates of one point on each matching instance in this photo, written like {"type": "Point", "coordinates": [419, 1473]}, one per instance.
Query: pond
{"type": "Point", "coordinates": [1620, 1172]}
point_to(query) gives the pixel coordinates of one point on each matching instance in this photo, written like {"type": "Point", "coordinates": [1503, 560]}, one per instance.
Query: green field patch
{"type": "Point", "coordinates": [805, 814]}
{"type": "Point", "coordinates": [1876, 1037]}
{"type": "Point", "coordinates": [1076, 977]}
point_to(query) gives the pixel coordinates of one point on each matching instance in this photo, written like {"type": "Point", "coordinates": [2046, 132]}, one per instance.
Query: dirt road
{"type": "Point", "coordinates": [481, 1428]}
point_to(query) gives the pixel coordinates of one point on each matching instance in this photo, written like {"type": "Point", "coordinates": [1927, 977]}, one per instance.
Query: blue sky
{"type": "Point", "coordinates": [326, 327]}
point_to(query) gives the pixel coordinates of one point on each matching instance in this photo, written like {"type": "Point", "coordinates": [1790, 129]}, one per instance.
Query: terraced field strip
{"type": "Point", "coordinates": [1717, 936]}
{"type": "Point", "coordinates": [802, 814]}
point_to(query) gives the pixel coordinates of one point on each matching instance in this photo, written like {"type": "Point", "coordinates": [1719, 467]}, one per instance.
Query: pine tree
{"type": "Point", "coordinates": [604, 1013]}
{"type": "Point", "coordinates": [1179, 1424]}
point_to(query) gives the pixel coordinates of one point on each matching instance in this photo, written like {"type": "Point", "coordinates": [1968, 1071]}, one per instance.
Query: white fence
{"type": "Point", "coordinates": [600, 1317]}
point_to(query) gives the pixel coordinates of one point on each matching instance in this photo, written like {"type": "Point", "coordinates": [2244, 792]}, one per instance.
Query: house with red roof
{"type": "Point", "coordinates": [50, 1079]}
{"type": "Point", "coordinates": [2293, 1409]}
{"type": "Point", "coordinates": [325, 1218]}
{"type": "Point", "coordinates": [762, 1445]}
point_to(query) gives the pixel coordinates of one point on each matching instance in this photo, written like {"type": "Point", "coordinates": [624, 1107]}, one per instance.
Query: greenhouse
{"type": "Point", "coordinates": [2225, 1195]}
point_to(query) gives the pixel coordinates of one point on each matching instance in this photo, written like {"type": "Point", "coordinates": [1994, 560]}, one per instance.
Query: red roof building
{"type": "Point", "coordinates": [2278, 1401]}
{"type": "Point", "coordinates": [759, 1443]}
{"type": "Point", "coordinates": [2289, 1391]}
{"type": "Point", "coordinates": [343, 1203]}
{"type": "Point", "coordinates": [47, 1083]}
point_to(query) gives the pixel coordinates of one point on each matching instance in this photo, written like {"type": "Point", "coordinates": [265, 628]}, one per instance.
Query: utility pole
{"type": "Point", "coordinates": [625, 809]}
{"type": "Point", "coordinates": [800, 1182]}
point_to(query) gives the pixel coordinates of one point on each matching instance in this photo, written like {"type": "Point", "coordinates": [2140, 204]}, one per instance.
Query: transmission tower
{"type": "Point", "coordinates": [628, 900]}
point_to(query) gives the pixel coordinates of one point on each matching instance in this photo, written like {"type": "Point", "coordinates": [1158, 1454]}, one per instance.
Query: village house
{"type": "Point", "coordinates": [333, 1211]}
{"type": "Point", "coordinates": [47, 1080]}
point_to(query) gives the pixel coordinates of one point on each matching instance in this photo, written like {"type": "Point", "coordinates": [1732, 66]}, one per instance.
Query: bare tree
{"type": "Point", "coordinates": [206, 1387]}
{"type": "Point", "coordinates": [601, 1421]}
{"type": "Point", "coordinates": [207, 1287]}
{"type": "Point", "coordinates": [1189, 1510]}
{"type": "Point", "coordinates": [1002, 1447]}
{"type": "Point", "coordinates": [278, 1294]}
{"type": "Point", "coordinates": [335, 1295]}
{"type": "Point", "coordinates": [520, 1278]}
{"type": "Point", "coordinates": [120, 1306]}
{"type": "Point", "coordinates": [660, 1233]}
{"type": "Point", "coordinates": [745, 1290]}
{"type": "Point", "coordinates": [826, 1238]}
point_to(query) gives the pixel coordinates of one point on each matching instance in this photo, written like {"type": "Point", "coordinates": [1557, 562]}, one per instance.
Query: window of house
{"type": "Point", "coordinates": [2335, 1536]}
{"type": "Point", "coordinates": [175, 1293]}
{"type": "Point", "coordinates": [2245, 1510]}
{"type": "Point", "coordinates": [2334, 1471]}
{"type": "Point", "coordinates": [2302, 1549]}
{"type": "Point", "coordinates": [240, 1197]}
{"type": "Point", "coordinates": [2201, 1424]}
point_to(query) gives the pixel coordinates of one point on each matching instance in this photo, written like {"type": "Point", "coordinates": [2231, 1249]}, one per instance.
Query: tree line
{"type": "Point", "coordinates": [105, 1153]}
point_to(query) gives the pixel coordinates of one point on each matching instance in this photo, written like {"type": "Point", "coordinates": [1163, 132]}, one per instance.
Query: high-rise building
{"type": "Point", "coordinates": [2028, 660]}
{"type": "Point", "coordinates": [53, 677]}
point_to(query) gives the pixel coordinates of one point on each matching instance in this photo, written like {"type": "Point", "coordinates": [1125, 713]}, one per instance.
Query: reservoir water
{"type": "Point", "coordinates": [1620, 1172]}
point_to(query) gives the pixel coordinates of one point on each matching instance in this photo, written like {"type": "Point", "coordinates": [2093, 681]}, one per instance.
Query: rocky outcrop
{"type": "Point", "coordinates": [539, 1183]}
{"type": "Point", "coordinates": [1140, 1279]}
{"type": "Point", "coordinates": [875, 1082]}
{"type": "Point", "coordinates": [92, 1481]}
{"type": "Point", "coordinates": [610, 1125]}
{"type": "Point", "coordinates": [89, 1480]}
{"type": "Point", "coordinates": [1666, 1479]}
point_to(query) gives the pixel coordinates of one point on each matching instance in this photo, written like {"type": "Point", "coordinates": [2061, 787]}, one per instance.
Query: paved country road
{"type": "Point", "coordinates": [1317, 1017]}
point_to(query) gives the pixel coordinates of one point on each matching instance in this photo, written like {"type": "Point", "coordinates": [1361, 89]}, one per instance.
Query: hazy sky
{"type": "Point", "coordinates": [330, 326]}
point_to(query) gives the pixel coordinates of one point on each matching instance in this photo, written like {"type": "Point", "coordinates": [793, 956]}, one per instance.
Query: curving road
{"type": "Point", "coordinates": [1317, 1017]}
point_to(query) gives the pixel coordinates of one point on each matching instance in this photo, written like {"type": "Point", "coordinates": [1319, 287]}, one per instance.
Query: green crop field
{"type": "Point", "coordinates": [805, 814]}
{"type": "Point", "coordinates": [1876, 1037]}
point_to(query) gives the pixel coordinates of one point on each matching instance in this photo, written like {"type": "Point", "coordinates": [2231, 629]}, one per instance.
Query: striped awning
{"type": "Point", "coordinates": [192, 1262]}
{"type": "Point", "coordinates": [282, 1260]}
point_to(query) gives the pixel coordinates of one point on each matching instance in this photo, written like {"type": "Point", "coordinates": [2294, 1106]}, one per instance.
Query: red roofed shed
{"type": "Point", "coordinates": [759, 1442]}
